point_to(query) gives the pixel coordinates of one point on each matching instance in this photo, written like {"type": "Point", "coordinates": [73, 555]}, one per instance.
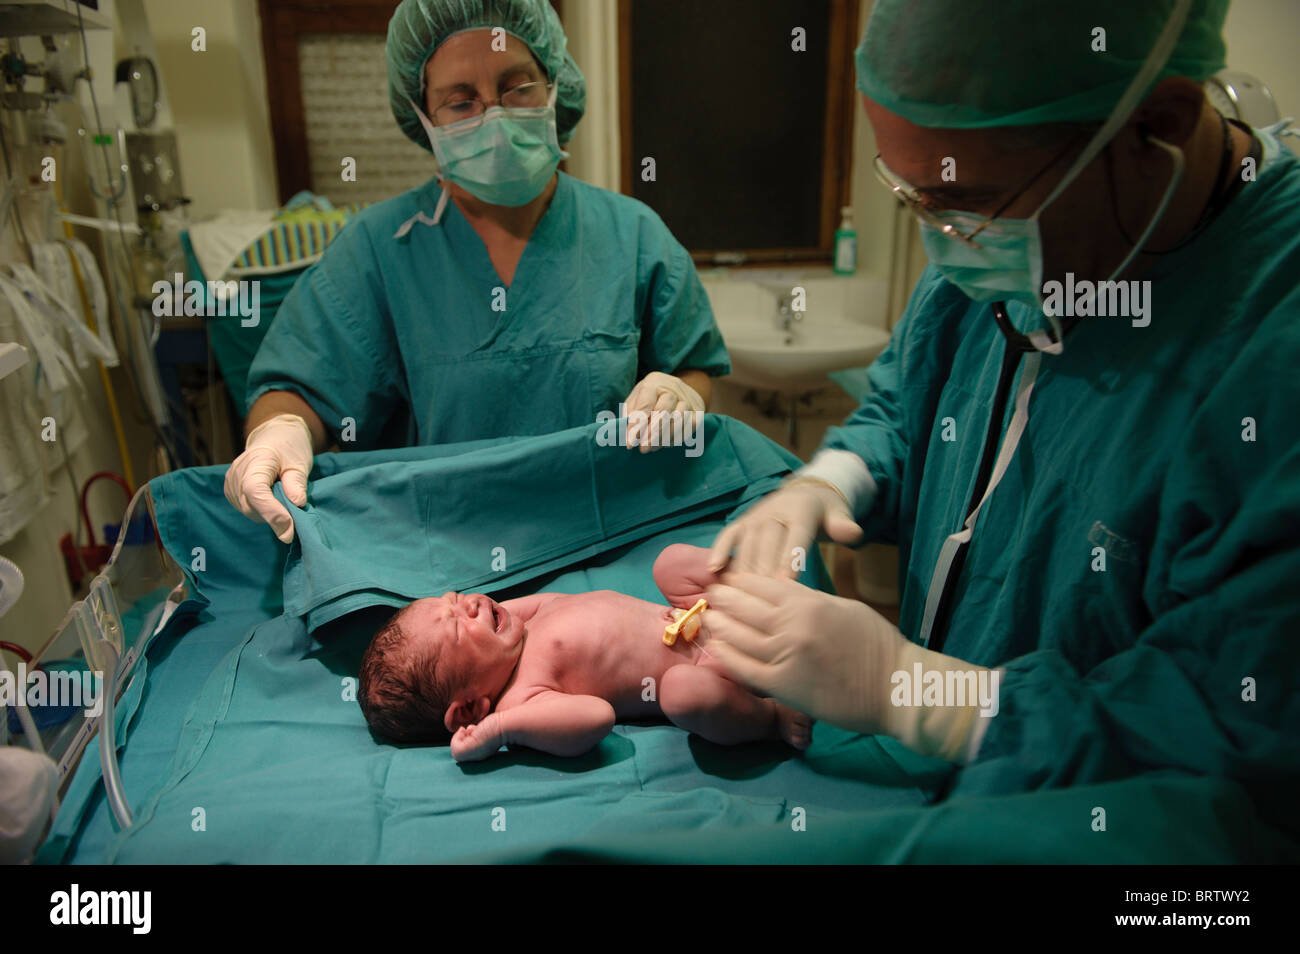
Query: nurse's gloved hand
{"type": "Point", "coordinates": [832, 658]}
{"type": "Point", "coordinates": [277, 449]}
{"type": "Point", "coordinates": [774, 535]}
{"type": "Point", "coordinates": [657, 395]}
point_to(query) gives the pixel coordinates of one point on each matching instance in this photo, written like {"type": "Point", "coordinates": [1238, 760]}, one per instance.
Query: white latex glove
{"type": "Point", "coordinates": [766, 538]}
{"type": "Point", "coordinates": [29, 786]}
{"type": "Point", "coordinates": [277, 449]}
{"type": "Point", "coordinates": [831, 658]}
{"type": "Point", "coordinates": [658, 394]}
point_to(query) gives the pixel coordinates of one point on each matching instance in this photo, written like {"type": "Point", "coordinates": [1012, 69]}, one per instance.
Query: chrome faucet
{"type": "Point", "coordinates": [786, 316]}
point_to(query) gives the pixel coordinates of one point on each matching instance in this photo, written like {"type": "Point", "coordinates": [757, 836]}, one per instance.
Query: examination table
{"type": "Point", "coordinates": [243, 743]}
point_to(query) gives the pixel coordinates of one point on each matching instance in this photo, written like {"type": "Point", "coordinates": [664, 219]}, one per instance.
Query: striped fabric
{"type": "Point", "coordinates": [298, 237]}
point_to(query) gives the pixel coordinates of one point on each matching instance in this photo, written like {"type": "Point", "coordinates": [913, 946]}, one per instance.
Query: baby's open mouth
{"type": "Point", "coordinates": [498, 617]}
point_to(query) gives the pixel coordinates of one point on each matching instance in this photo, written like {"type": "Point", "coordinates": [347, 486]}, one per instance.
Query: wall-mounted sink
{"type": "Point", "coordinates": [842, 326]}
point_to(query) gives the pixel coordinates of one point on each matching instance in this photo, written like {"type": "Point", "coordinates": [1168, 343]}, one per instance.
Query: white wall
{"type": "Point", "coordinates": [218, 102]}
{"type": "Point", "coordinates": [1262, 38]}
{"type": "Point", "coordinates": [592, 29]}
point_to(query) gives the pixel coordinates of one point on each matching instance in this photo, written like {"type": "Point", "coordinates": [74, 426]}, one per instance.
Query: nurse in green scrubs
{"type": "Point", "coordinates": [500, 298]}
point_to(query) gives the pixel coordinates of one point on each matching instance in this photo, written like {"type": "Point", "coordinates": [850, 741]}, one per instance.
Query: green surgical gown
{"type": "Point", "coordinates": [417, 340]}
{"type": "Point", "coordinates": [1173, 450]}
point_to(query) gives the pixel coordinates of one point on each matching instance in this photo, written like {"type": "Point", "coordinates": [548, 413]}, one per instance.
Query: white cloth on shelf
{"type": "Point", "coordinates": [218, 242]}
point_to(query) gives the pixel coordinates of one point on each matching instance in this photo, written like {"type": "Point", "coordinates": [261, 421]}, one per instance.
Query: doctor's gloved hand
{"type": "Point", "coordinates": [277, 449]}
{"type": "Point", "coordinates": [769, 537]}
{"type": "Point", "coordinates": [832, 658]}
{"type": "Point", "coordinates": [657, 395]}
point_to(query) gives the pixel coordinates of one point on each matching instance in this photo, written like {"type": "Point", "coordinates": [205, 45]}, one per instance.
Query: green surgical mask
{"type": "Point", "coordinates": [505, 158]}
{"type": "Point", "coordinates": [1008, 264]}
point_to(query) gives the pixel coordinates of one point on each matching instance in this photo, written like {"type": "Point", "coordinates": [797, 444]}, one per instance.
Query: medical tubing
{"type": "Point", "coordinates": [11, 586]}
{"type": "Point", "coordinates": [17, 214]}
{"type": "Point", "coordinates": [76, 518]}
{"type": "Point", "coordinates": [1176, 177]}
{"type": "Point", "coordinates": [132, 511]}
{"type": "Point", "coordinates": [14, 648]}
{"type": "Point", "coordinates": [89, 311]}
{"type": "Point", "coordinates": [85, 488]}
{"type": "Point", "coordinates": [32, 734]}
{"type": "Point", "coordinates": [112, 203]}
{"type": "Point", "coordinates": [108, 727]}
{"type": "Point", "coordinates": [108, 740]}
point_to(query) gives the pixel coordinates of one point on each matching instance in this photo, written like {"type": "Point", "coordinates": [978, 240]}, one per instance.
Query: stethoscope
{"type": "Point", "coordinates": [940, 599]}
{"type": "Point", "coordinates": [1017, 345]}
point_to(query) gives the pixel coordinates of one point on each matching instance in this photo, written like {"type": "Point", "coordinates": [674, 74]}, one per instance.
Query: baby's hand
{"type": "Point", "coordinates": [473, 743]}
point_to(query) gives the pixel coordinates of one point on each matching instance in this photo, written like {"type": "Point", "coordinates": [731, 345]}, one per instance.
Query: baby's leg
{"type": "Point", "coordinates": [682, 573]}
{"type": "Point", "coordinates": [704, 701]}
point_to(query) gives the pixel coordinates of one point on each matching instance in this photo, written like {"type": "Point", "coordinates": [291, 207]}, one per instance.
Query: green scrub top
{"type": "Point", "coordinates": [417, 340]}
{"type": "Point", "coordinates": [1171, 449]}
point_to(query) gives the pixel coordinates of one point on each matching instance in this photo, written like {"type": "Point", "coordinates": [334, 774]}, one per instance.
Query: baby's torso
{"type": "Point", "coordinates": [602, 644]}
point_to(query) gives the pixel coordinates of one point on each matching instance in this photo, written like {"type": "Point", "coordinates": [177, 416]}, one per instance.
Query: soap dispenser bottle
{"type": "Point", "coordinates": [845, 261]}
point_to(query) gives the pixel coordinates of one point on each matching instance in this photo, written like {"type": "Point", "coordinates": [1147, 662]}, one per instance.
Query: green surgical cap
{"type": "Point", "coordinates": [419, 27]}
{"type": "Point", "coordinates": [977, 63]}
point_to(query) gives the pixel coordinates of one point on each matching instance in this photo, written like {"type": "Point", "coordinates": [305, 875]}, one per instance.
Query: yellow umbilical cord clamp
{"type": "Point", "coordinates": [674, 628]}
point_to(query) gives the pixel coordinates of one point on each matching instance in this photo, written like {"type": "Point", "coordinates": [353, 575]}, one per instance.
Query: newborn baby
{"type": "Point", "coordinates": [554, 672]}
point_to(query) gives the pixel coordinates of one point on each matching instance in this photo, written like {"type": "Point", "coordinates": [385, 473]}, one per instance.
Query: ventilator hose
{"type": "Point", "coordinates": [108, 740]}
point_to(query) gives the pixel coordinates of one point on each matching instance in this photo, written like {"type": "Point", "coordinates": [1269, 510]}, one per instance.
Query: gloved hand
{"type": "Point", "coordinates": [831, 658]}
{"type": "Point", "coordinates": [765, 538]}
{"type": "Point", "coordinates": [277, 449]}
{"type": "Point", "coordinates": [657, 395]}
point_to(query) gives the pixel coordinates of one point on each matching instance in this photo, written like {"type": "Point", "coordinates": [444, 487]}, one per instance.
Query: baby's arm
{"type": "Point", "coordinates": [682, 574]}
{"type": "Point", "coordinates": [550, 721]}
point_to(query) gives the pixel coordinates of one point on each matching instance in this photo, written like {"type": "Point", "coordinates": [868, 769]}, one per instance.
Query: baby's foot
{"type": "Point", "coordinates": [794, 728]}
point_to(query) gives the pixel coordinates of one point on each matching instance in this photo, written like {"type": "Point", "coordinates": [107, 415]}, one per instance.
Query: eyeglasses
{"type": "Point", "coordinates": [523, 96]}
{"type": "Point", "coordinates": [923, 207]}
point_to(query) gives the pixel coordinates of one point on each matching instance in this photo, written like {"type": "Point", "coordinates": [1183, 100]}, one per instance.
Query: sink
{"type": "Point", "coordinates": [842, 326]}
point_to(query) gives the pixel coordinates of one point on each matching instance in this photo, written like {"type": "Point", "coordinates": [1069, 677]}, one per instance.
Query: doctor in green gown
{"type": "Point", "coordinates": [1095, 489]}
{"type": "Point", "coordinates": [501, 298]}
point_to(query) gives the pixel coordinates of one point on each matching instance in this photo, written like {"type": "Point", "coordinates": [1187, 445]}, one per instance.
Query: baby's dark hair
{"type": "Point", "coordinates": [402, 694]}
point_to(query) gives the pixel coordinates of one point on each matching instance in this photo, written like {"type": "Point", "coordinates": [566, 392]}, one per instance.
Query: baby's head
{"type": "Point", "coordinates": [438, 664]}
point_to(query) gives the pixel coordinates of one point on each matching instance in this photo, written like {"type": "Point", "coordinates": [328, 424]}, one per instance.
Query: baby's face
{"type": "Point", "coordinates": [477, 636]}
